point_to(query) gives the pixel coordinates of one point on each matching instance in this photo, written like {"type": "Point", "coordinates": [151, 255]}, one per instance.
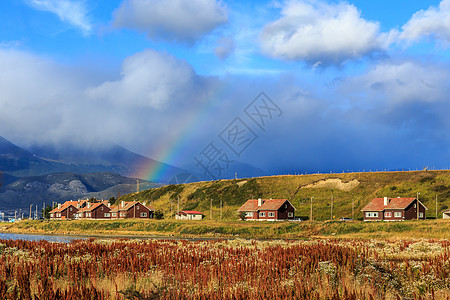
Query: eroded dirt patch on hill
{"type": "Point", "coordinates": [333, 183]}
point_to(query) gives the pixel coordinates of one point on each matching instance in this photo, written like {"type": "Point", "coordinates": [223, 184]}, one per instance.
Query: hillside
{"type": "Point", "coordinates": [345, 188]}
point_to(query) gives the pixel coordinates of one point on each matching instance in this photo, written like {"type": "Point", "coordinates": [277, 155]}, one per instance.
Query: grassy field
{"type": "Point", "coordinates": [436, 229]}
{"type": "Point", "coordinates": [221, 269]}
{"type": "Point", "coordinates": [349, 190]}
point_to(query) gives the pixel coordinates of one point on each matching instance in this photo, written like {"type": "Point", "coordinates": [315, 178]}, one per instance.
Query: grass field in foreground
{"type": "Point", "coordinates": [225, 269]}
{"type": "Point", "coordinates": [435, 229]}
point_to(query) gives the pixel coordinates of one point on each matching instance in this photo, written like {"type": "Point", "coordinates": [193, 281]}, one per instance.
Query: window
{"type": "Point", "coordinates": [137, 207]}
{"type": "Point", "coordinates": [398, 214]}
{"type": "Point", "coordinates": [262, 214]}
{"type": "Point", "coordinates": [271, 214]}
{"type": "Point", "coordinates": [372, 214]}
{"type": "Point", "coordinates": [387, 214]}
{"type": "Point", "coordinates": [249, 214]}
{"type": "Point", "coordinates": [71, 209]}
{"type": "Point", "coordinates": [420, 214]}
{"type": "Point", "coordinates": [107, 215]}
{"type": "Point", "coordinates": [143, 215]}
{"type": "Point", "coordinates": [290, 214]}
{"type": "Point", "coordinates": [114, 214]}
{"type": "Point", "coordinates": [101, 208]}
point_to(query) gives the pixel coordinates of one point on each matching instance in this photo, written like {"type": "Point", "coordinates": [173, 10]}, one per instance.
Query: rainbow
{"type": "Point", "coordinates": [173, 149]}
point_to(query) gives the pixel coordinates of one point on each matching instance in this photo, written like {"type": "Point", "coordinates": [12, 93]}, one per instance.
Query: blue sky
{"type": "Point", "coordinates": [362, 84]}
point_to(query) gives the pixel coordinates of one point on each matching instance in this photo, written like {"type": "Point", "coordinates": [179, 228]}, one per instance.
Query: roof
{"type": "Point", "coordinates": [377, 204]}
{"type": "Point", "coordinates": [268, 204]}
{"type": "Point", "coordinates": [127, 205]}
{"type": "Point", "coordinates": [93, 206]}
{"type": "Point", "coordinates": [190, 212]}
{"type": "Point", "coordinates": [64, 206]}
{"type": "Point", "coordinates": [446, 211]}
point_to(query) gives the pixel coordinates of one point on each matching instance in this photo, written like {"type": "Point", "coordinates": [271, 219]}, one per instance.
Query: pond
{"type": "Point", "coordinates": [36, 237]}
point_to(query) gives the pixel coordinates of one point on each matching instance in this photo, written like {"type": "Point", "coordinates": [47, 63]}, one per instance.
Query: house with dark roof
{"type": "Point", "coordinates": [188, 215]}
{"type": "Point", "coordinates": [267, 209]}
{"type": "Point", "coordinates": [394, 209]}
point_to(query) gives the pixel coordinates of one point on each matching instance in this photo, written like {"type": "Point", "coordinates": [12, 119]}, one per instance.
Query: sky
{"type": "Point", "coordinates": [285, 86]}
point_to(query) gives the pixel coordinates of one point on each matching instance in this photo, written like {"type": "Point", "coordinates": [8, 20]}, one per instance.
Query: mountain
{"type": "Point", "coordinates": [60, 187]}
{"type": "Point", "coordinates": [41, 160]}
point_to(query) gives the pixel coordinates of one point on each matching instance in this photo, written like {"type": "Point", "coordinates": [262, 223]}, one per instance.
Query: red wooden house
{"type": "Point", "coordinates": [268, 209]}
{"type": "Point", "coordinates": [65, 211]}
{"type": "Point", "coordinates": [95, 211]}
{"type": "Point", "coordinates": [134, 209]}
{"type": "Point", "coordinates": [394, 209]}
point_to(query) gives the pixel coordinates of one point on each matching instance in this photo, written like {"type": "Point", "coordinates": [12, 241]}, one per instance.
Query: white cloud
{"type": "Point", "coordinates": [73, 12]}
{"type": "Point", "coordinates": [395, 83]}
{"type": "Point", "coordinates": [154, 80]}
{"type": "Point", "coordinates": [173, 20]}
{"type": "Point", "coordinates": [314, 31]}
{"type": "Point", "coordinates": [433, 22]}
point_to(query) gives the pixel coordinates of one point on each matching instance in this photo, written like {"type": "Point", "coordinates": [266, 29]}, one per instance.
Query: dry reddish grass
{"type": "Point", "coordinates": [235, 269]}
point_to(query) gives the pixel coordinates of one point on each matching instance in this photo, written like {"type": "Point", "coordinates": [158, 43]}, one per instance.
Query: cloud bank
{"type": "Point", "coordinates": [315, 31]}
{"type": "Point", "coordinates": [432, 23]}
{"type": "Point", "coordinates": [172, 20]}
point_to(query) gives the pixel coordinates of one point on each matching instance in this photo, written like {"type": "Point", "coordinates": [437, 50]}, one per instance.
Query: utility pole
{"type": "Point", "coordinates": [221, 207]}
{"type": "Point", "coordinates": [436, 208]}
{"type": "Point", "coordinates": [31, 206]}
{"type": "Point", "coordinates": [311, 214]}
{"type": "Point", "coordinates": [210, 210]}
{"type": "Point", "coordinates": [36, 216]}
{"type": "Point", "coordinates": [331, 216]}
{"type": "Point", "coordinates": [137, 185]}
{"type": "Point", "coordinates": [15, 215]}
{"type": "Point", "coordinates": [178, 203]}
{"type": "Point", "coordinates": [417, 208]}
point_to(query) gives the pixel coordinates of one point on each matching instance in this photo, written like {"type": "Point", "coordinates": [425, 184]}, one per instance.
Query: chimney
{"type": "Point", "coordinates": [109, 204]}
{"type": "Point", "coordinates": [260, 202]}
{"type": "Point", "coordinates": [386, 201]}
{"type": "Point", "coordinates": [59, 205]}
{"type": "Point", "coordinates": [89, 204]}
{"type": "Point", "coordinates": [123, 203]}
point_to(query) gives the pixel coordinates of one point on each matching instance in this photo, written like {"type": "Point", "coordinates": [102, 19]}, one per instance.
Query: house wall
{"type": "Point", "coordinates": [392, 217]}
{"type": "Point", "coordinates": [379, 218]}
{"type": "Point", "coordinates": [99, 212]}
{"type": "Point", "coordinates": [446, 215]}
{"type": "Point", "coordinates": [411, 211]}
{"type": "Point", "coordinates": [255, 216]}
{"type": "Point", "coordinates": [189, 217]}
{"type": "Point", "coordinates": [283, 212]}
{"type": "Point", "coordinates": [135, 212]}
{"type": "Point", "coordinates": [69, 212]}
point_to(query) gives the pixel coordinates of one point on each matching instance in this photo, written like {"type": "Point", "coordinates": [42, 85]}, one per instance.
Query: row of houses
{"type": "Point", "coordinates": [83, 209]}
{"type": "Point", "coordinates": [379, 209]}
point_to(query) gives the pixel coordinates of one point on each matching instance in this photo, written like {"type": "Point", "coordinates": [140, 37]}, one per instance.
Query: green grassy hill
{"type": "Point", "coordinates": [347, 189]}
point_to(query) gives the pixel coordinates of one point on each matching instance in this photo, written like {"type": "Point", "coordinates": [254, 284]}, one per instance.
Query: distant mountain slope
{"type": "Point", "coordinates": [60, 187]}
{"type": "Point", "coordinates": [348, 190]}
{"type": "Point", "coordinates": [40, 160]}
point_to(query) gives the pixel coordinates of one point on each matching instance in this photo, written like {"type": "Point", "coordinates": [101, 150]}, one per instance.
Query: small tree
{"type": "Point", "coordinates": [242, 216]}
{"type": "Point", "coordinates": [159, 215]}
{"type": "Point", "coordinates": [46, 211]}
{"type": "Point", "coordinates": [112, 200]}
